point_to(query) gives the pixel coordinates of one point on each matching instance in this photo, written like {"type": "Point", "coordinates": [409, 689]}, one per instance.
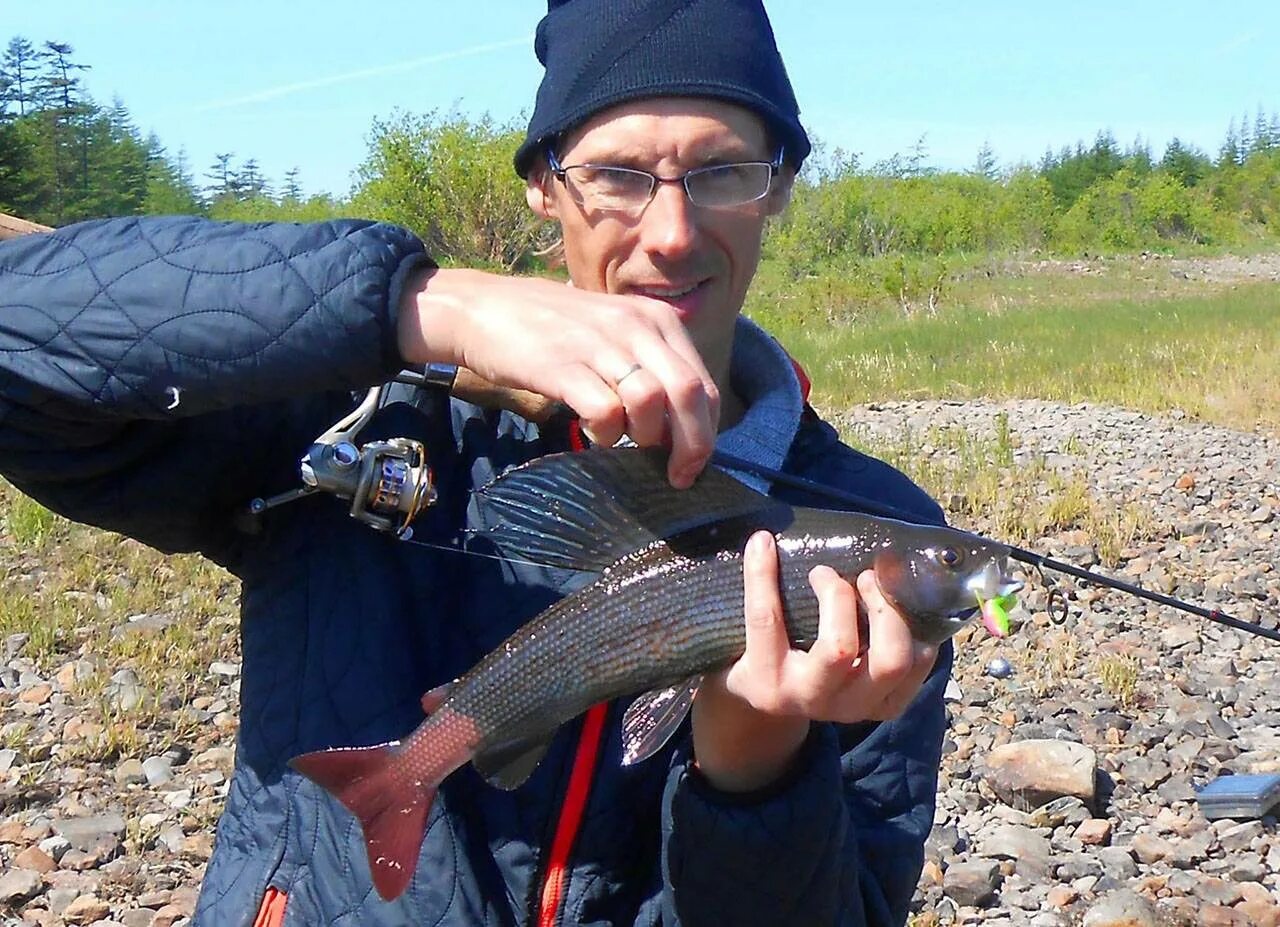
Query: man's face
{"type": "Point", "coordinates": [698, 260]}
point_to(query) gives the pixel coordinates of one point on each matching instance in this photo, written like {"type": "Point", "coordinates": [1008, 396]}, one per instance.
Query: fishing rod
{"type": "Point", "coordinates": [389, 482]}
{"type": "Point", "coordinates": [1039, 561]}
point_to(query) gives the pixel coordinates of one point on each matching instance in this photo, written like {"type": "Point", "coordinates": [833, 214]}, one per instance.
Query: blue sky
{"type": "Point", "coordinates": [295, 84]}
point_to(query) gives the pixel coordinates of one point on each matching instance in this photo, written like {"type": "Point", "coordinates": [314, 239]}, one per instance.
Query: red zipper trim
{"type": "Point", "coordinates": [575, 803]}
{"type": "Point", "coordinates": [271, 913]}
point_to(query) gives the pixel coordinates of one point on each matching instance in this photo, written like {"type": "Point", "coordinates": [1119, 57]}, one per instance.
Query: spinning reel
{"type": "Point", "coordinates": [388, 482]}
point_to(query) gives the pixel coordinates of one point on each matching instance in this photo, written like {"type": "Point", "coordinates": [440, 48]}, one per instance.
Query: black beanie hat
{"type": "Point", "coordinates": [601, 52]}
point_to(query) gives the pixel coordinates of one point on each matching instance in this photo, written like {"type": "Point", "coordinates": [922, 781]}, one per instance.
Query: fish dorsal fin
{"type": "Point", "coordinates": [586, 510]}
{"type": "Point", "coordinates": [653, 717]}
{"type": "Point", "coordinates": [509, 765]}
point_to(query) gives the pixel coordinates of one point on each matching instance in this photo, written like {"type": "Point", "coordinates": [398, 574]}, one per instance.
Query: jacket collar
{"type": "Point", "coordinates": [764, 377]}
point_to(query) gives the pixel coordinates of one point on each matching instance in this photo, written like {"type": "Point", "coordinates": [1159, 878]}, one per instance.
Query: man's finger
{"type": "Point", "coordinates": [767, 643]}
{"type": "Point", "coordinates": [838, 640]}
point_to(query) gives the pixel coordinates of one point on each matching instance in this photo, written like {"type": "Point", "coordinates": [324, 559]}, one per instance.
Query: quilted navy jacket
{"type": "Point", "coordinates": [156, 374]}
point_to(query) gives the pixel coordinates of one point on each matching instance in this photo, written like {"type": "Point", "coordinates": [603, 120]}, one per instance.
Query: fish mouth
{"type": "Point", "coordinates": [992, 583]}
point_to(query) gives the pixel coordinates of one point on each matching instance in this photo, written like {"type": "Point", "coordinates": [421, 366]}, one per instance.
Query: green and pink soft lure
{"type": "Point", "coordinates": [995, 613]}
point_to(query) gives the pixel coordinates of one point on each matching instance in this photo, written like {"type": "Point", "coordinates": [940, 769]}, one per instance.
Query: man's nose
{"type": "Point", "coordinates": [669, 225]}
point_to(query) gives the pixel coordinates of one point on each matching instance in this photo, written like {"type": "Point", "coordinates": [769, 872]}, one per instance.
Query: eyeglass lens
{"type": "Point", "coordinates": [623, 188]}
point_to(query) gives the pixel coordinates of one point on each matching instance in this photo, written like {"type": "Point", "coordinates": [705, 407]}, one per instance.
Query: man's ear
{"type": "Point", "coordinates": [780, 193]}
{"type": "Point", "coordinates": [537, 194]}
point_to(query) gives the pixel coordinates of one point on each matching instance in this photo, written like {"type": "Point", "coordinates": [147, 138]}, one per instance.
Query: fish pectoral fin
{"type": "Point", "coordinates": [509, 765]}
{"type": "Point", "coordinates": [435, 698]}
{"type": "Point", "coordinates": [586, 510]}
{"type": "Point", "coordinates": [653, 717]}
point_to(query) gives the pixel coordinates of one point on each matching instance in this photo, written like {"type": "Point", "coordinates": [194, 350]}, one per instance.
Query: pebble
{"type": "Point", "coordinates": [1203, 700]}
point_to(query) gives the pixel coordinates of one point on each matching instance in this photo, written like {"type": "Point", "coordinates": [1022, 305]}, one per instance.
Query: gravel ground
{"type": "Point", "coordinates": [124, 842]}
{"type": "Point", "coordinates": [1201, 700]}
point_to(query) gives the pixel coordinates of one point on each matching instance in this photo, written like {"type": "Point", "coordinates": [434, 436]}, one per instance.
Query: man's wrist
{"type": "Point", "coordinates": [739, 749]}
{"type": "Point", "coordinates": [427, 318]}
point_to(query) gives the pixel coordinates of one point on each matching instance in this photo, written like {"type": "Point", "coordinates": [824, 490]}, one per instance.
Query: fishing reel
{"type": "Point", "coordinates": [387, 482]}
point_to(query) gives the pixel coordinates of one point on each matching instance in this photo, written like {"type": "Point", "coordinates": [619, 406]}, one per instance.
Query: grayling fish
{"type": "Point", "coordinates": [665, 609]}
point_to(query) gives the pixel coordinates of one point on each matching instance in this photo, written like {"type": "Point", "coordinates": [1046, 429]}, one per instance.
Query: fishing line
{"type": "Point", "coordinates": [1040, 562]}
{"type": "Point", "coordinates": [410, 539]}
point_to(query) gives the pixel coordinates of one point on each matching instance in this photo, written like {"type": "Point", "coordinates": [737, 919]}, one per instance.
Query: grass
{"type": "Point", "coordinates": [73, 590]}
{"type": "Point", "coordinates": [1127, 335]}
{"type": "Point", "coordinates": [1119, 678]}
{"type": "Point", "coordinates": [1017, 499]}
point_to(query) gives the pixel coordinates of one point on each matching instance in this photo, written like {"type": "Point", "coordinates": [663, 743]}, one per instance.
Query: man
{"type": "Point", "coordinates": [136, 355]}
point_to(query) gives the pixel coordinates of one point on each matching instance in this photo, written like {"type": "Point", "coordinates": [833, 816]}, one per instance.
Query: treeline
{"type": "Point", "coordinates": [448, 177]}
{"type": "Point", "coordinates": [1100, 197]}
{"type": "Point", "coordinates": [64, 157]}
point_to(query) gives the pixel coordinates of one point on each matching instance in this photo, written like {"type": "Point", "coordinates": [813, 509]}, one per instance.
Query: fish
{"type": "Point", "coordinates": [665, 608]}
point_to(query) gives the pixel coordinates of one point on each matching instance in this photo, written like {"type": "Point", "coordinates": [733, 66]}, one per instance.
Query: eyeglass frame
{"type": "Point", "coordinates": [560, 172]}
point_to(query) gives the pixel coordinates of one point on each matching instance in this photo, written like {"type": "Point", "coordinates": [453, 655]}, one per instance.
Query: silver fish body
{"type": "Point", "coordinates": [666, 607]}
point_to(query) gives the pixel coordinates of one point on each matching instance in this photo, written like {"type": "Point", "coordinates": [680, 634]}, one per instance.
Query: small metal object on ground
{"type": "Point", "coordinates": [1242, 796]}
{"type": "Point", "coordinates": [999, 668]}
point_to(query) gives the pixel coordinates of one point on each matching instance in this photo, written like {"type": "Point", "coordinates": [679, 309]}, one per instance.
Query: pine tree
{"type": "Point", "coordinates": [67, 114]}
{"type": "Point", "coordinates": [19, 74]}
{"type": "Point", "coordinates": [248, 182]}
{"type": "Point", "coordinates": [220, 173]}
{"type": "Point", "coordinates": [292, 189]}
{"type": "Point", "coordinates": [1229, 153]}
{"type": "Point", "coordinates": [986, 164]}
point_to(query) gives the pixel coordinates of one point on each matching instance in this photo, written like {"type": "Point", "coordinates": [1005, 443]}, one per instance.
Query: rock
{"type": "Point", "coordinates": [158, 770]}
{"type": "Point", "coordinates": [19, 885]}
{"type": "Point", "coordinates": [1094, 832]}
{"type": "Point", "coordinates": [1121, 909]}
{"type": "Point", "coordinates": [1029, 850]}
{"type": "Point", "coordinates": [84, 833]}
{"type": "Point", "coordinates": [971, 884]}
{"type": "Point", "coordinates": [1260, 913]}
{"type": "Point", "coordinates": [1218, 916]}
{"type": "Point", "coordinates": [130, 772]}
{"type": "Point", "coordinates": [1062, 896]}
{"type": "Point", "coordinates": [35, 859]}
{"type": "Point", "coordinates": [1066, 810]}
{"type": "Point", "coordinates": [1027, 774]}
{"type": "Point", "coordinates": [85, 909]}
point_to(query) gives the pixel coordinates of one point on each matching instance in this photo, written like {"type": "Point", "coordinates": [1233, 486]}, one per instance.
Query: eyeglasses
{"type": "Point", "coordinates": [624, 189]}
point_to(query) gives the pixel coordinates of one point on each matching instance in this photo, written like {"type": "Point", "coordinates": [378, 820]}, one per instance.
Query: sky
{"type": "Point", "coordinates": [301, 85]}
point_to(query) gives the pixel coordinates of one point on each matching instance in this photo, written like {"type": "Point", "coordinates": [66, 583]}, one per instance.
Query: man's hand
{"type": "Point", "coordinates": [750, 721]}
{"type": "Point", "coordinates": [625, 364]}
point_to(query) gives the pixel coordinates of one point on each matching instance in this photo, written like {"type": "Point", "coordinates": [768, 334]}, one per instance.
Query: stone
{"type": "Point", "coordinates": [1029, 849]}
{"type": "Point", "coordinates": [1027, 774]}
{"type": "Point", "coordinates": [130, 772]}
{"type": "Point", "coordinates": [1094, 832]}
{"type": "Point", "coordinates": [1062, 896]}
{"type": "Point", "coordinates": [19, 885]}
{"type": "Point", "coordinates": [971, 884]}
{"type": "Point", "coordinates": [1122, 908]}
{"type": "Point", "coordinates": [84, 833]}
{"type": "Point", "coordinates": [1214, 915]}
{"type": "Point", "coordinates": [85, 909]}
{"type": "Point", "coordinates": [35, 859]}
{"type": "Point", "coordinates": [1260, 913]}
{"type": "Point", "coordinates": [158, 770]}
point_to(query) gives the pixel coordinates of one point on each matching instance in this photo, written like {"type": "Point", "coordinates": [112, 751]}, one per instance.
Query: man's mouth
{"type": "Point", "coordinates": [684, 298]}
{"type": "Point", "coordinates": [666, 292]}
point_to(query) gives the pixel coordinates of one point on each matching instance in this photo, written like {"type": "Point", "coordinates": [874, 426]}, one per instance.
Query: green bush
{"type": "Point", "coordinates": [450, 180]}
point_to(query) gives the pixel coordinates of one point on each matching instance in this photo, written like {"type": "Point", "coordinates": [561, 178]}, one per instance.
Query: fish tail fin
{"type": "Point", "coordinates": [392, 811]}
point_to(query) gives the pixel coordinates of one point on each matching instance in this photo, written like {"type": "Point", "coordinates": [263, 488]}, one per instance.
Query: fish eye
{"type": "Point", "coordinates": [951, 557]}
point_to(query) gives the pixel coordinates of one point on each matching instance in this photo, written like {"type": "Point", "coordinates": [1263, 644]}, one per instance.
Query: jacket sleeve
{"type": "Point", "coordinates": [152, 370]}
{"type": "Point", "coordinates": [841, 842]}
